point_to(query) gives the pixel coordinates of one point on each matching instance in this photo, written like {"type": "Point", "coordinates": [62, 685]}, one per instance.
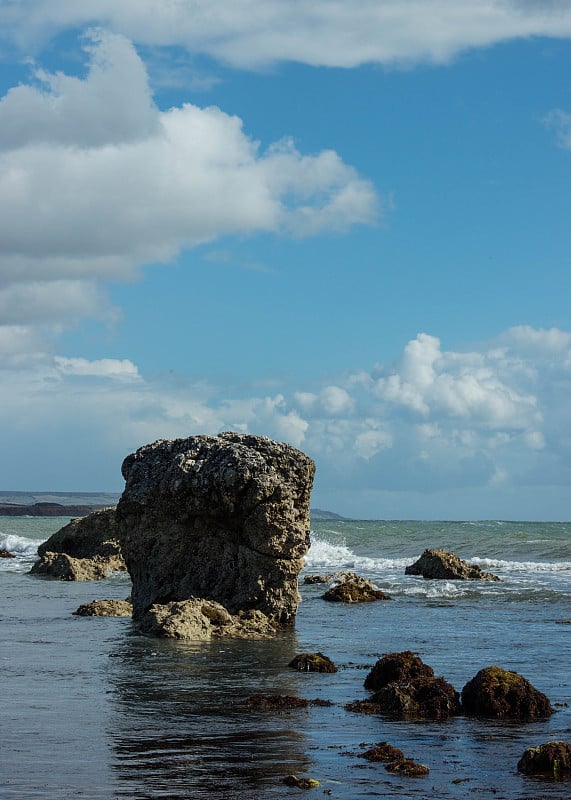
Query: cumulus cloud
{"type": "Point", "coordinates": [253, 33]}
{"type": "Point", "coordinates": [494, 415]}
{"type": "Point", "coordinates": [95, 180]}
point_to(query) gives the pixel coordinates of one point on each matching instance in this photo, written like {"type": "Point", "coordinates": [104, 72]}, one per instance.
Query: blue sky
{"type": "Point", "coordinates": [342, 225]}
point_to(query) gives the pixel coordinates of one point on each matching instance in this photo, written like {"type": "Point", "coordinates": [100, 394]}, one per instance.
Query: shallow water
{"type": "Point", "coordinates": [91, 709]}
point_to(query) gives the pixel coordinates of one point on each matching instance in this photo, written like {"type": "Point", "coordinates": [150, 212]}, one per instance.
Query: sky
{"type": "Point", "coordinates": [343, 225]}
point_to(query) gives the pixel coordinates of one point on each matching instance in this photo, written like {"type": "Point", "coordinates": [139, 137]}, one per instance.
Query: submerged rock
{"type": "Point", "coordinates": [442, 565]}
{"type": "Point", "coordinates": [223, 518]}
{"type": "Point", "coordinates": [355, 592]}
{"type": "Point", "coordinates": [383, 752]}
{"type": "Point", "coordinates": [87, 549]}
{"type": "Point", "coordinates": [300, 783]}
{"type": "Point", "coordinates": [105, 608]}
{"type": "Point", "coordinates": [312, 662]}
{"type": "Point", "coordinates": [499, 693]}
{"type": "Point", "coordinates": [408, 768]}
{"type": "Point", "coordinates": [551, 758]}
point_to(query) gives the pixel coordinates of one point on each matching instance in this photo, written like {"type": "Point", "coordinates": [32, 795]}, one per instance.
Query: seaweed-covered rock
{"type": "Point", "coordinates": [383, 752]}
{"type": "Point", "coordinates": [442, 565]}
{"type": "Point", "coordinates": [224, 518]}
{"type": "Point", "coordinates": [312, 662]}
{"type": "Point", "coordinates": [499, 693]}
{"type": "Point", "coordinates": [86, 549]}
{"type": "Point", "coordinates": [408, 768]}
{"type": "Point", "coordinates": [351, 592]}
{"type": "Point", "coordinates": [105, 608]}
{"type": "Point", "coordinates": [551, 758]}
{"type": "Point", "coordinates": [424, 697]}
{"type": "Point", "coordinates": [401, 667]}
{"type": "Point", "coordinates": [276, 702]}
{"type": "Point", "coordinates": [200, 619]}
{"type": "Point", "coordinates": [300, 783]}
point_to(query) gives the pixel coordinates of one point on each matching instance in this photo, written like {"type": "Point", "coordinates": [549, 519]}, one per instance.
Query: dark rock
{"type": "Point", "coordinates": [84, 550]}
{"type": "Point", "coordinates": [383, 752]}
{"type": "Point", "coordinates": [551, 758]}
{"type": "Point", "coordinates": [105, 608]}
{"type": "Point", "coordinates": [397, 668]}
{"type": "Point", "coordinates": [425, 698]}
{"type": "Point", "coordinates": [363, 707]}
{"type": "Point", "coordinates": [351, 592]}
{"type": "Point", "coordinates": [6, 554]}
{"type": "Point", "coordinates": [282, 702]}
{"type": "Point", "coordinates": [312, 662]}
{"type": "Point", "coordinates": [224, 518]}
{"type": "Point", "coordinates": [499, 693]}
{"type": "Point", "coordinates": [300, 783]}
{"type": "Point", "coordinates": [442, 565]}
{"type": "Point", "coordinates": [408, 768]}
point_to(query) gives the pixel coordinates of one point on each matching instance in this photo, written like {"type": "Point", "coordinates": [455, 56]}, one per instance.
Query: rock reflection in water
{"type": "Point", "coordinates": [179, 729]}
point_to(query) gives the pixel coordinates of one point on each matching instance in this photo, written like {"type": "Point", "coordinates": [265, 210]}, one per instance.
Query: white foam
{"type": "Point", "coordinates": [522, 566]}
{"type": "Point", "coordinates": [324, 554]}
{"type": "Point", "coordinates": [19, 545]}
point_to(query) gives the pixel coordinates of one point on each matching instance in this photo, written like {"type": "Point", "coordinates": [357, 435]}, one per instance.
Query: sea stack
{"type": "Point", "coordinates": [220, 518]}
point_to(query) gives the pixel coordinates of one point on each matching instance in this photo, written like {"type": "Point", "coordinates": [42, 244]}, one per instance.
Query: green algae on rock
{"type": "Point", "coordinates": [502, 694]}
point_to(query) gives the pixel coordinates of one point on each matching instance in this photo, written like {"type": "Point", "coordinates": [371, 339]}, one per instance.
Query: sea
{"type": "Point", "coordinates": [91, 709]}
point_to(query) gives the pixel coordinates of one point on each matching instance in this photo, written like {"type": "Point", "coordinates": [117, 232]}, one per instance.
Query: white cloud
{"type": "Point", "coordinates": [251, 33]}
{"type": "Point", "coordinates": [95, 181]}
{"type": "Point", "coordinates": [484, 420]}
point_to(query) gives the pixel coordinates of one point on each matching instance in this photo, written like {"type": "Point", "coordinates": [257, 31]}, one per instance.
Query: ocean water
{"type": "Point", "coordinates": [91, 709]}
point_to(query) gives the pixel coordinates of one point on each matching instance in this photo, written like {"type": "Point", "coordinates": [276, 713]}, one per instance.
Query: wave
{"type": "Point", "coordinates": [338, 556]}
{"type": "Point", "coordinates": [19, 546]}
{"type": "Point", "coordinates": [521, 566]}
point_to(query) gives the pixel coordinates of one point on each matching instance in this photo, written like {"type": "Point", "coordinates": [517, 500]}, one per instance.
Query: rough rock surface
{"type": "Point", "coordinates": [105, 608]}
{"type": "Point", "coordinates": [499, 693]}
{"type": "Point", "coordinates": [425, 698]}
{"type": "Point", "coordinates": [197, 618]}
{"type": "Point", "coordinates": [66, 568]}
{"type": "Point", "coordinates": [442, 565]}
{"type": "Point", "coordinates": [352, 592]}
{"type": "Point", "coordinates": [397, 668]}
{"type": "Point", "coordinates": [312, 662]}
{"type": "Point", "coordinates": [551, 758]}
{"type": "Point", "coordinates": [86, 549]}
{"type": "Point", "coordinates": [224, 518]}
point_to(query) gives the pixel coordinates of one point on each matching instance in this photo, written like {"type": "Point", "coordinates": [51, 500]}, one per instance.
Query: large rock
{"type": "Point", "coordinates": [551, 758]}
{"type": "Point", "coordinates": [223, 518]}
{"type": "Point", "coordinates": [442, 565]}
{"type": "Point", "coordinates": [86, 549]}
{"type": "Point", "coordinates": [500, 693]}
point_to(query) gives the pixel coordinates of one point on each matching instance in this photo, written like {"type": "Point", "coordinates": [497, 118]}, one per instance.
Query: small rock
{"type": "Point", "coordinates": [425, 698]}
{"type": "Point", "coordinates": [383, 752]}
{"type": "Point", "coordinates": [105, 608]}
{"type": "Point", "coordinates": [312, 662]}
{"type": "Point", "coordinates": [300, 783]}
{"type": "Point", "coordinates": [397, 667]}
{"type": "Point", "coordinates": [201, 619]}
{"type": "Point", "coordinates": [499, 693]}
{"type": "Point", "coordinates": [351, 592]}
{"type": "Point", "coordinates": [6, 554]}
{"type": "Point", "coordinates": [551, 758]}
{"type": "Point", "coordinates": [64, 567]}
{"type": "Point", "coordinates": [408, 768]}
{"type": "Point", "coordinates": [442, 565]}
{"type": "Point", "coordinates": [276, 702]}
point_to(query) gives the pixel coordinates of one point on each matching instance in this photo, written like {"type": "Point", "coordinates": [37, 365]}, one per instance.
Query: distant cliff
{"type": "Point", "coordinates": [45, 510]}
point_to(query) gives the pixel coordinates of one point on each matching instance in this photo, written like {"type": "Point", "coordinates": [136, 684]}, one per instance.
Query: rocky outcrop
{"type": "Point", "coordinates": [551, 758]}
{"type": "Point", "coordinates": [312, 662]}
{"type": "Point", "coordinates": [499, 693]}
{"type": "Point", "coordinates": [221, 518]}
{"type": "Point", "coordinates": [105, 608]}
{"type": "Point", "coordinates": [86, 549]}
{"type": "Point", "coordinates": [442, 565]}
